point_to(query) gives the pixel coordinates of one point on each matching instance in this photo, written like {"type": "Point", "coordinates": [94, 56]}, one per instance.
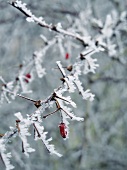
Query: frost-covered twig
{"type": "Point", "coordinates": [19, 95]}
{"type": "Point", "coordinates": [3, 142]}
{"type": "Point", "coordinates": [41, 22]}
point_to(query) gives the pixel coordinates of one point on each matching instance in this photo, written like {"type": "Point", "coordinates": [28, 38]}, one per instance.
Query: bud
{"type": "Point", "coordinates": [27, 77]}
{"type": "Point", "coordinates": [63, 131]}
{"type": "Point", "coordinates": [67, 56]}
{"type": "Point", "coordinates": [69, 68]}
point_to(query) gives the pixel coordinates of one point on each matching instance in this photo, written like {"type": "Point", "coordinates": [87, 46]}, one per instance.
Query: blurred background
{"type": "Point", "coordinates": [98, 143]}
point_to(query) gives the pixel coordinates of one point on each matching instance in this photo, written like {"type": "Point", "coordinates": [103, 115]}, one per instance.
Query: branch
{"type": "Point", "coordinates": [41, 22]}
{"type": "Point", "coordinates": [111, 79]}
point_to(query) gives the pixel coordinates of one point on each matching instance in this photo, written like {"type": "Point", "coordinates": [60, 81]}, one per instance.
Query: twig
{"type": "Point", "coordinates": [19, 95]}
{"type": "Point", "coordinates": [2, 160]}
{"type": "Point", "coordinates": [39, 135]}
{"type": "Point", "coordinates": [45, 116]}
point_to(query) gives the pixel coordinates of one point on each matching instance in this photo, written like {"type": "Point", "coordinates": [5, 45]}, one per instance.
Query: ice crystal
{"type": "Point", "coordinates": [30, 19]}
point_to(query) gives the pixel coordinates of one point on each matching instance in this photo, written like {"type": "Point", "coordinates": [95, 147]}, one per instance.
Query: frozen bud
{"type": "Point", "coordinates": [27, 77]}
{"type": "Point", "coordinates": [63, 130]}
{"type": "Point", "coordinates": [69, 68]}
{"type": "Point", "coordinates": [67, 56]}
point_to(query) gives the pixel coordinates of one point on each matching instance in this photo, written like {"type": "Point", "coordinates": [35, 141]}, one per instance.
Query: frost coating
{"type": "Point", "coordinates": [90, 64]}
{"type": "Point", "coordinates": [23, 133]}
{"type": "Point", "coordinates": [38, 61]}
{"type": "Point", "coordinates": [5, 86]}
{"type": "Point", "coordinates": [41, 135]}
{"type": "Point", "coordinates": [61, 68]}
{"type": "Point", "coordinates": [29, 19]}
{"type": "Point", "coordinates": [39, 132]}
{"type": "Point", "coordinates": [21, 5]}
{"type": "Point", "coordinates": [71, 82]}
{"type": "Point", "coordinates": [6, 156]}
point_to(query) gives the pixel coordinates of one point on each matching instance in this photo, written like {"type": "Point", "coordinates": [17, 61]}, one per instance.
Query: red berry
{"type": "Point", "coordinates": [67, 56]}
{"type": "Point", "coordinates": [63, 131]}
{"type": "Point", "coordinates": [27, 77]}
